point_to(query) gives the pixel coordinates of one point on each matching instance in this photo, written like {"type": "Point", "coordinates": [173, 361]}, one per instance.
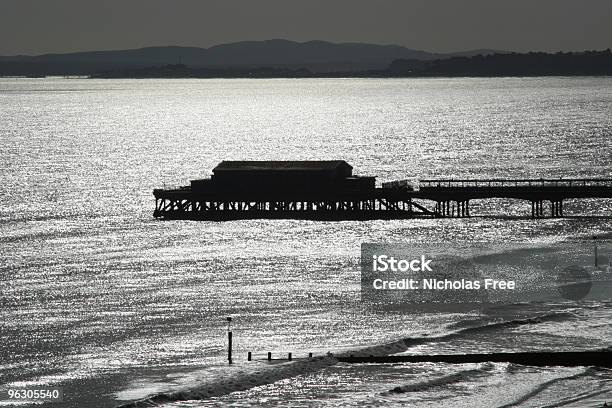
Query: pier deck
{"type": "Point", "coordinates": [394, 200]}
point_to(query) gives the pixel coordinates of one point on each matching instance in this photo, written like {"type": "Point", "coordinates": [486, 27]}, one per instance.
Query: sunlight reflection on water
{"type": "Point", "coordinates": [91, 284]}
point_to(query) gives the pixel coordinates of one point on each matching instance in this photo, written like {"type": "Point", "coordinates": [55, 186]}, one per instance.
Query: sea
{"type": "Point", "coordinates": [112, 305]}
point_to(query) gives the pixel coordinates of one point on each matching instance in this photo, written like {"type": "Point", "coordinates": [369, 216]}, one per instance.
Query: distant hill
{"type": "Point", "coordinates": [586, 63]}
{"type": "Point", "coordinates": [315, 56]}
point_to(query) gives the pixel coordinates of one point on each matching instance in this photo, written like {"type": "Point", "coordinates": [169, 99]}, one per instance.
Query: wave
{"type": "Point", "coordinates": [484, 369]}
{"type": "Point", "coordinates": [402, 345]}
{"type": "Point", "coordinates": [588, 371]}
{"type": "Point", "coordinates": [243, 381]}
{"type": "Point", "coordinates": [239, 382]}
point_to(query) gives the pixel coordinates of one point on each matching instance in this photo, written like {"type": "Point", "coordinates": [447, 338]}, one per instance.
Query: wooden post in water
{"type": "Point", "coordinates": [229, 341]}
{"type": "Point", "coordinates": [595, 250]}
{"type": "Point", "coordinates": [269, 356]}
{"type": "Point", "coordinates": [229, 347]}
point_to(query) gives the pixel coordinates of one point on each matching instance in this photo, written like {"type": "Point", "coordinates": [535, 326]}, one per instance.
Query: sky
{"type": "Point", "coordinates": [53, 26]}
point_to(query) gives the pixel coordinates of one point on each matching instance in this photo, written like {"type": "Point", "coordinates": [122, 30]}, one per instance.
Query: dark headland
{"type": "Point", "coordinates": [588, 63]}
{"type": "Point", "coordinates": [312, 59]}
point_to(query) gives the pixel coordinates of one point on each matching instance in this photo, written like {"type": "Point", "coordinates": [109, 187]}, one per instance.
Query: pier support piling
{"type": "Point", "coordinates": [556, 208]}
{"type": "Point", "coordinates": [453, 208]}
{"type": "Point", "coordinates": [537, 209]}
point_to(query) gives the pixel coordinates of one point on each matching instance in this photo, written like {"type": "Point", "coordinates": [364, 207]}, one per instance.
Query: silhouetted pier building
{"type": "Point", "coordinates": [278, 178]}
{"type": "Point", "coordinates": [317, 190]}
{"type": "Point", "coordinates": [328, 190]}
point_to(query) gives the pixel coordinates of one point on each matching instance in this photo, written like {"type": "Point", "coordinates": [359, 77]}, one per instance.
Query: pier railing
{"type": "Point", "coordinates": [457, 183]}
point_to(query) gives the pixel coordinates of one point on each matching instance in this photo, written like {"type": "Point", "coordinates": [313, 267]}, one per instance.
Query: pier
{"type": "Point", "coordinates": [328, 191]}
{"type": "Point", "coordinates": [546, 196]}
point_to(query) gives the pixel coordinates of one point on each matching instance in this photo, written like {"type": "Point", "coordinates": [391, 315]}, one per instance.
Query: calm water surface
{"type": "Point", "coordinates": [111, 304]}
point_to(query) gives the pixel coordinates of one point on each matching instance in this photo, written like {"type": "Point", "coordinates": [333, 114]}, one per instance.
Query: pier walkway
{"type": "Point", "coordinates": [452, 196]}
